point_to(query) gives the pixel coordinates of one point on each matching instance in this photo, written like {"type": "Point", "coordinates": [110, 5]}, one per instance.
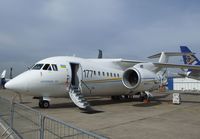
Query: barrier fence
{"type": "Point", "coordinates": [23, 122]}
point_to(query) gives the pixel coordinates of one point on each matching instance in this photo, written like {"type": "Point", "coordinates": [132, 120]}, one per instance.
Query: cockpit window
{"type": "Point", "coordinates": [54, 66]}
{"type": "Point", "coordinates": [37, 66]}
{"type": "Point", "coordinates": [46, 67]}
{"type": "Point", "coordinates": [49, 68]}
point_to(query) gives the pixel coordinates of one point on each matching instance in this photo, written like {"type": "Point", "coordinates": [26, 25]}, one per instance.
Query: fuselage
{"type": "Point", "coordinates": [52, 77]}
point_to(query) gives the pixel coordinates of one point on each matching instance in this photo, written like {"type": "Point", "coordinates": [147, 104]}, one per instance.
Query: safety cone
{"type": "Point", "coordinates": [146, 101]}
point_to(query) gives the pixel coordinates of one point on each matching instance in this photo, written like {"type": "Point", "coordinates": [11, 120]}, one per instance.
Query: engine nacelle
{"type": "Point", "coordinates": [140, 79]}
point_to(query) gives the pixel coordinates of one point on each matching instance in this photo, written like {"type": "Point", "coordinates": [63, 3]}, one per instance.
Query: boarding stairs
{"type": "Point", "coordinates": [78, 98]}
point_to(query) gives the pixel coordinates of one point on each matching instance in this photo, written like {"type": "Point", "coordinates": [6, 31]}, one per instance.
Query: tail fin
{"type": "Point", "coordinates": [3, 75]}
{"type": "Point", "coordinates": [3, 80]}
{"type": "Point", "coordinates": [190, 59]}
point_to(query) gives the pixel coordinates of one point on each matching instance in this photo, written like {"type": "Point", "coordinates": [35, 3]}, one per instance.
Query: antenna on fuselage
{"type": "Point", "coordinates": [100, 55]}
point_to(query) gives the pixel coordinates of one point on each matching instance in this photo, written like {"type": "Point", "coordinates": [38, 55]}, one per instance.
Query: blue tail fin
{"type": "Point", "coordinates": [189, 59]}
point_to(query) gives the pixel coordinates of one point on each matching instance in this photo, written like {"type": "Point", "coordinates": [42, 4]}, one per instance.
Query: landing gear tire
{"type": "Point", "coordinates": [142, 97]}
{"type": "Point", "coordinates": [44, 104]}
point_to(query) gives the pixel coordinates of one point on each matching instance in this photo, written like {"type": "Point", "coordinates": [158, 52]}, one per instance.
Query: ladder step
{"type": "Point", "coordinates": [83, 101]}
{"type": "Point", "coordinates": [78, 93]}
{"type": "Point", "coordinates": [86, 104]}
{"type": "Point", "coordinates": [78, 98]}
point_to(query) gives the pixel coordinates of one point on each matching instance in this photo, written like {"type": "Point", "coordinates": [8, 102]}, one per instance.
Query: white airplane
{"type": "Point", "coordinates": [78, 78]}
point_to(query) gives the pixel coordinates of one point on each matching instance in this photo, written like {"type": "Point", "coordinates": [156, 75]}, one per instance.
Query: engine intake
{"type": "Point", "coordinates": [140, 79]}
{"type": "Point", "coordinates": [131, 78]}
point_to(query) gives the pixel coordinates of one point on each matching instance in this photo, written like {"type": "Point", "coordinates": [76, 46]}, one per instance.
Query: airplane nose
{"type": "Point", "coordinates": [7, 86]}
{"type": "Point", "coordinates": [11, 85]}
{"type": "Point", "coordinates": [17, 84]}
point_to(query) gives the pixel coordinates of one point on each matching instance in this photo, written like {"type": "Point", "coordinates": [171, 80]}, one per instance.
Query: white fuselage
{"type": "Point", "coordinates": [95, 77]}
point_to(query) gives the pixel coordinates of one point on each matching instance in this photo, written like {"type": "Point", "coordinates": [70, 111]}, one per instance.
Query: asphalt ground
{"type": "Point", "coordinates": [129, 119]}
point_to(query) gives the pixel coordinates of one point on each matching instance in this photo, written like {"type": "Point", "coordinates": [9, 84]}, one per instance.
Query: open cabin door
{"type": "Point", "coordinates": [75, 92]}
{"type": "Point", "coordinates": [76, 74]}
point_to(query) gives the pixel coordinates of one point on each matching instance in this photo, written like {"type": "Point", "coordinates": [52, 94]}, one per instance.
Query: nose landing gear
{"type": "Point", "coordinates": [44, 104]}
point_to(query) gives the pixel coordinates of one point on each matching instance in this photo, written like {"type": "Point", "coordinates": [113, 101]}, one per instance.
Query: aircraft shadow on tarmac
{"type": "Point", "coordinates": [99, 102]}
{"type": "Point", "coordinates": [93, 102]}
{"type": "Point", "coordinates": [151, 104]}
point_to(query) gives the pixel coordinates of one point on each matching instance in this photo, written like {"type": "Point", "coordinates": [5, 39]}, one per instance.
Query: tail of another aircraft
{"type": "Point", "coordinates": [3, 74]}
{"type": "Point", "coordinates": [190, 59]}
{"type": "Point", "coordinates": [3, 80]}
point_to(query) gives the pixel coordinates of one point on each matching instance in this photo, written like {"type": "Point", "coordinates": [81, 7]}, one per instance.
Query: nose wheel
{"type": "Point", "coordinates": [44, 104]}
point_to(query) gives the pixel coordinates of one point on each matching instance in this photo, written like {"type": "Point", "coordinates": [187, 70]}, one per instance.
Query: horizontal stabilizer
{"type": "Point", "coordinates": [170, 54]}
{"type": "Point", "coordinates": [168, 65]}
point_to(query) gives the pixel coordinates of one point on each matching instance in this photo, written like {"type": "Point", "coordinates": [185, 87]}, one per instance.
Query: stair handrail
{"type": "Point", "coordinates": [86, 86]}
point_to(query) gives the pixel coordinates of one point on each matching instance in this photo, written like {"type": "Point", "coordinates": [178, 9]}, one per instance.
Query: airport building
{"type": "Point", "coordinates": [184, 84]}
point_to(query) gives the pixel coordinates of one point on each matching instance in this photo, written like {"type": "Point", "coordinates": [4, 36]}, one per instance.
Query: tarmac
{"type": "Point", "coordinates": [129, 119]}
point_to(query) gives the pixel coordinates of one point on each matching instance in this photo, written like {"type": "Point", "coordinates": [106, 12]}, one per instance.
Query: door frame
{"type": "Point", "coordinates": [76, 74]}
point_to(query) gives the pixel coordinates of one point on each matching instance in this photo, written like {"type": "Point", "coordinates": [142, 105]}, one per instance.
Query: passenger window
{"type": "Point", "coordinates": [95, 73]}
{"type": "Point", "coordinates": [54, 66]}
{"type": "Point", "coordinates": [107, 74]}
{"type": "Point", "coordinates": [114, 75]}
{"type": "Point", "coordinates": [37, 66]}
{"type": "Point", "coordinates": [110, 74]}
{"type": "Point", "coordinates": [118, 75]}
{"type": "Point", "coordinates": [103, 73]}
{"type": "Point", "coordinates": [46, 66]}
{"type": "Point", "coordinates": [99, 73]}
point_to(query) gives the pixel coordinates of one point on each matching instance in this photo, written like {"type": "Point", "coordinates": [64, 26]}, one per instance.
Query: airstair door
{"type": "Point", "coordinates": [76, 74]}
{"type": "Point", "coordinates": [75, 92]}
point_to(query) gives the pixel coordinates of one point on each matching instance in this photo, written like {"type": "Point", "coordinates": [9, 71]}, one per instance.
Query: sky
{"type": "Point", "coordinates": [31, 30]}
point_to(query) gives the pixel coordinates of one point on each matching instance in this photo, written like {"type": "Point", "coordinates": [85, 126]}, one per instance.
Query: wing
{"type": "Point", "coordinates": [180, 66]}
{"type": "Point", "coordinates": [123, 63]}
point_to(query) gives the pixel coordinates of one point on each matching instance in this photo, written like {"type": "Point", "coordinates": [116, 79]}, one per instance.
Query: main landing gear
{"type": "Point", "coordinates": [121, 97]}
{"type": "Point", "coordinates": [143, 96]}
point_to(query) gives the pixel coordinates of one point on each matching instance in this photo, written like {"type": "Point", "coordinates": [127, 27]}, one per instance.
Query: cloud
{"type": "Point", "coordinates": [33, 30]}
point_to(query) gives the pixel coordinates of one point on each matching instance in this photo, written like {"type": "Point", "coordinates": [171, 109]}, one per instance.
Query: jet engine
{"type": "Point", "coordinates": [140, 79]}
